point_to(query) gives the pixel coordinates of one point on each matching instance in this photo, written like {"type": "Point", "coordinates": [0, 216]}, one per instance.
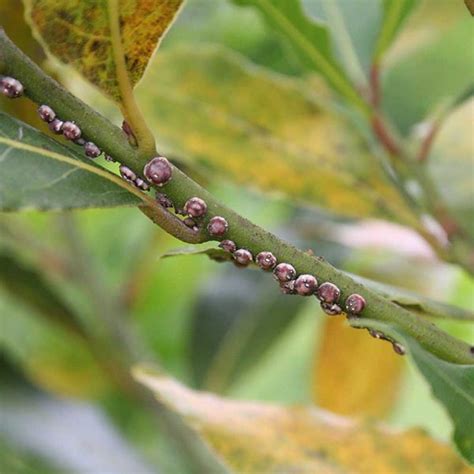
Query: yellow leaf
{"type": "Point", "coordinates": [81, 33]}
{"type": "Point", "coordinates": [355, 374]}
{"type": "Point", "coordinates": [263, 130]}
{"type": "Point", "coordinates": [256, 438]}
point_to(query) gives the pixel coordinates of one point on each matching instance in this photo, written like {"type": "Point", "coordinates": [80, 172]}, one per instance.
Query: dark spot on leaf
{"type": "Point", "coordinates": [65, 15]}
{"type": "Point", "coordinates": [95, 45]}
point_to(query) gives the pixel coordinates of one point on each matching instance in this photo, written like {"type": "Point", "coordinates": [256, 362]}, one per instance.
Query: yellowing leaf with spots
{"type": "Point", "coordinates": [109, 41]}
{"type": "Point", "coordinates": [263, 130]}
{"type": "Point", "coordinates": [372, 371]}
{"type": "Point", "coordinates": [257, 438]}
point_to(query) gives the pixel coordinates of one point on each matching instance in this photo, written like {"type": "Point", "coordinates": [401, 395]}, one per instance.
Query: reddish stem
{"type": "Point", "coordinates": [425, 146]}
{"type": "Point", "coordinates": [384, 135]}
{"type": "Point", "coordinates": [374, 79]}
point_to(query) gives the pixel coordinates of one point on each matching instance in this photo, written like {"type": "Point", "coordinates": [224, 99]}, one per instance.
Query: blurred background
{"type": "Point", "coordinates": [230, 105]}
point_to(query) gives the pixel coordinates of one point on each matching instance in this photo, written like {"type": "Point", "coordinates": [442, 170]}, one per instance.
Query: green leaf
{"type": "Point", "coordinates": [263, 130]}
{"type": "Point", "coordinates": [255, 437]}
{"type": "Point", "coordinates": [107, 46]}
{"type": "Point", "coordinates": [309, 39]}
{"type": "Point", "coordinates": [16, 460]}
{"type": "Point", "coordinates": [234, 325]}
{"type": "Point", "coordinates": [213, 253]}
{"type": "Point", "coordinates": [395, 12]}
{"type": "Point", "coordinates": [450, 164]}
{"type": "Point", "coordinates": [451, 384]}
{"type": "Point", "coordinates": [348, 26]}
{"type": "Point", "coordinates": [449, 59]}
{"type": "Point", "coordinates": [36, 172]}
{"type": "Point", "coordinates": [30, 287]}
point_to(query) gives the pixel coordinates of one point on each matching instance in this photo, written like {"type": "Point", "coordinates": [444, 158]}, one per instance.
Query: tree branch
{"type": "Point", "coordinates": [40, 88]}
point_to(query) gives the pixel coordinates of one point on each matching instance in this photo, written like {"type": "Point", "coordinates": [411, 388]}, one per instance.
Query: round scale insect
{"type": "Point", "coordinates": [127, 174]}
{"type": "Point", "coordinates": [331, 309]}
{"type": "Point", "coordinates": [92, 150]}
{"type": "Point", "coordinates": [328, 292]}
{"type": "Point", "coordinates": [195, 207]}
{"type": "Point", "coordinates": [398, 348]}
{"type": "Point", "coordinates": [71, 131]}
{"type": "Point", "coordinates": [158, 171]}
{"type": "Point", "coordinates": [56, 126]}
{"type": "Point", "coordinates": [284, 272]}
{"type": "Point", "coordinates": [377, 334]}
{"type": "Point", "coordinates": [140, 184]}
{"type": "Point", "coordinates": [306, 285]}
{"type": "Point", "coordinates": [266, 261]}
{"type": "Point", "coordinates": [288, 287]}
{"type": "Point", "coordinates": [243, 257]}
{"type": "Point", "coordinates": [217, 226]}
{"type": "Point", "coordinates": [355, 304]}
{"type": "Point", "coordinates": [11, 87]}
{"type": "Point", "coordinates": [164, 200]}
{"type": "Point", "coordinates": [46, 113]}
{"type": "Point", "coordinates": [228, 245]}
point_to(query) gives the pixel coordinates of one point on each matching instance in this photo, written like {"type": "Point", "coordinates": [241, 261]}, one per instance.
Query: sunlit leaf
{"type": "Point", "coordinates": [348, 27]}
{"type": "Point", "coordinates": [255, 437]}
{"type": "Point", "coordinates": [308, 38]}
{"type": "Point", "coordinates": [235, 324]}
{"type": "Point", "coordinates": [37, 172]}
{"type": "Point", "coordinates": [448, 58]}
{"type": "Point", "coordinates": [369, 386]}
{"type": "Point", "coordinates": [450, 163]}
{"type": "Point", "coordinates": [103, 40]}
{"type": "Point", "coordinates": [451, 384]}
{"type": "Point", "coordinates": [395, 13]}
{"type": "Point", "coordinates": [258, 129]}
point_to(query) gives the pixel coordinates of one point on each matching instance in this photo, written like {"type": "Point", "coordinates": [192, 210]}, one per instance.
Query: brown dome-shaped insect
{"type": "Point", "coordinates": [217, 226]}
{"type": "Point", "coordinates": [266, 260]}
{"type": "Point", "coordinates": [158, 171]}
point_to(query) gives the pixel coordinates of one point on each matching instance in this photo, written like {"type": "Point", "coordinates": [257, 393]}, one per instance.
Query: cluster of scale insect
{"type": "Point", "coordinates": [158, 171]}
{"type": "Point", "coordinates": [12, 88]}
{"type": "Point", "coordinates": [291, 283]}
